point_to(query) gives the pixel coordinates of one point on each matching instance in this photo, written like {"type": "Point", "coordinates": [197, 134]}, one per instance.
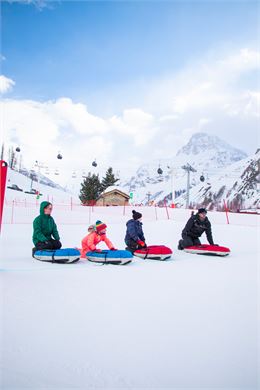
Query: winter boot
{"type": "Point", "coordinates": [180, 247]}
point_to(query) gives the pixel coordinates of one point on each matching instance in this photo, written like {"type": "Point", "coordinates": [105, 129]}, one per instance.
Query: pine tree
{"type": "Point", "coordinates": [109, 179]}
{"type": "Point", "coordinates": [12, 159]}
{"type": "Point", "coordinates": [90, 189]}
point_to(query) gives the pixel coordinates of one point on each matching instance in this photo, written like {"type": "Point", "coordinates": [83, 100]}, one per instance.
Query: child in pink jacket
{"type": "Point", "coordinates": [90, 242]}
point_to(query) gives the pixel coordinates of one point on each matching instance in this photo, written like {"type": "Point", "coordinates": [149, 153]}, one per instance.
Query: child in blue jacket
{"type": "Point", "coordinates": [134, 238]}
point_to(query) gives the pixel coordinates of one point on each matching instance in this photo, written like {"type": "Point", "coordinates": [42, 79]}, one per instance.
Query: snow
{"type": "Point", "coordinates": [147, 180]}
{"type": "Point", "coordinates": [190, 322]}
{"type": "Point", "coordinates": [114, 188]}
{"type": "Point", "coordinates": [24, 183]}
{"type": "Point", "coordinates": [213, 158]}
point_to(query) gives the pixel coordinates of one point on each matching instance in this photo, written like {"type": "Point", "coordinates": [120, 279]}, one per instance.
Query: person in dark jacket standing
{"type": "Point", "coordinates": [45, 233]}
{"type": "Point", "coordinates": [195, 227]}
{"type": "Point", "coordinates": [134, 238]}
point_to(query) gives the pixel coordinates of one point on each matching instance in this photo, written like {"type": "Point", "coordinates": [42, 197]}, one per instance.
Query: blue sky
{"type": "Point", "coordinates": [78, 48]}
{"type": "Point", "coordinates": [108, 80]}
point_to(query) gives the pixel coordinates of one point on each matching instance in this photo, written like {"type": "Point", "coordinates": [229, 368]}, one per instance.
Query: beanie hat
{"type": "Point", "coordinates": [136, 215]}
{"type": "Point", "coordinates": [202, 210]}
{"type": "Point", "coordinates": [100, 226]}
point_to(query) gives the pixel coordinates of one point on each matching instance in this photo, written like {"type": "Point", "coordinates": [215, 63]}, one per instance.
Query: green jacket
{"type": "Point", "coordinates": [44, 226]}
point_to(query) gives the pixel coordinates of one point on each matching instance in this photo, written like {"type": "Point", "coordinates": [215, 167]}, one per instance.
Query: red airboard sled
{"type": "Point", "coordinates": [205, 249]}
{"type": "Point", "coordinates": [154, 252]}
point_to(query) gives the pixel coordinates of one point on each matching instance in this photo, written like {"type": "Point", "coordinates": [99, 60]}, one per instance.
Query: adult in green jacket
{"type": "Point", "coordinates": [45, 233]}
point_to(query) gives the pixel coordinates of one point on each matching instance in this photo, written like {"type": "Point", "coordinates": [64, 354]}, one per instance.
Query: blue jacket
{"type": "Point", "coordinates": [134, 231]}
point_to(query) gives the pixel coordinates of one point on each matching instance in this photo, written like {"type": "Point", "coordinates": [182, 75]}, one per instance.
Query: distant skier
{"type": "Point", "coordinates": [45, 233]}
{"type": "Point", "coordinates": [97, 233]}
{"type": "Point", "coordinates": [134, 238]}
{"type": "Point", "coordinates": [195, 227]}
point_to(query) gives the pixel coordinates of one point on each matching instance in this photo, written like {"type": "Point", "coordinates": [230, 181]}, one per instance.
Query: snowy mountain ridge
{"type": "Point", "coordinates": [238, 185]}
{"type": "Point", "coordinates": [207, 154]}
{"type": "Point", "coordinates": [203, 142]}
{"type": "Point", "coordinates": [227, 172]}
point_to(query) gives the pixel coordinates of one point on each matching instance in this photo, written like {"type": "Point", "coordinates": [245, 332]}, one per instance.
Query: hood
{"type": "Point", "coordinates": [43, 205]}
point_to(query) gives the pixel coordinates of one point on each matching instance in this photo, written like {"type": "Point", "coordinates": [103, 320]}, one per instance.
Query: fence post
{"type": "Point", "coordinates": [124, 208]}
{"type": "Point", "coordinates": [71, 203]}
{"type": "Point", "coordinates": [156, 217]}
{"type": "Point", "coordinates": [226, 210]}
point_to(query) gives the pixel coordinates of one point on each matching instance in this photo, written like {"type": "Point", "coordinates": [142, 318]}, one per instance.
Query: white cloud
{"type": "Point", "coordinates": [42, 129]}
{"type": "Point", "coordinates": [38, 3]}
{"type": "Point", "coordinates": [76, 116]}
{"type": "Point", "coordinates": [6, 84]}
{"type": "Point", "coordinates": [206, 96]}
{"type": "Point", "coordinates": [210, 82]}
{"type": "Point", "coordinates": [135, 123]}
{"type": "Point", "coordinates": [222, 89]}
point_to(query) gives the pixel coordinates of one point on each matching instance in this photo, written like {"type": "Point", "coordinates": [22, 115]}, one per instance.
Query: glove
{"type": "Point", "coordinates": [141, 243]}
{"type": "Point", "coordinates": [113, 249]}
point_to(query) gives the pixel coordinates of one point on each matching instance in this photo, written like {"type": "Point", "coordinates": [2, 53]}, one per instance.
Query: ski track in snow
{"type": "Point", "coordinates": [190, 322]}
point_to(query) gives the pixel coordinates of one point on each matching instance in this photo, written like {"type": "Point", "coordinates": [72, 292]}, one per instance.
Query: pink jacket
{"type": "Point", "coordinates": [90, 242]}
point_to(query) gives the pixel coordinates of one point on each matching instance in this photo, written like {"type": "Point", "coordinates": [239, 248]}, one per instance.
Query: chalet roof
{"type": "Point", "coordinates": [114, 189]}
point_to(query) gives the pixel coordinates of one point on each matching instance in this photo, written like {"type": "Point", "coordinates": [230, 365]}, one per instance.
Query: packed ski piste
{"type": "Point", "coordinates": [179, 313]}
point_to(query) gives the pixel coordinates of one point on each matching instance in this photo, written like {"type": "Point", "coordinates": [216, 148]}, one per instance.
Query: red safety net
{"type": "Point", "coordinates": [3, 173]}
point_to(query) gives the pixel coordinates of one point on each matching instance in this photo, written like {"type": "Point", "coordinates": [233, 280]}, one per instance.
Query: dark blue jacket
{"type": "Point", "coordinates": [134, 231]}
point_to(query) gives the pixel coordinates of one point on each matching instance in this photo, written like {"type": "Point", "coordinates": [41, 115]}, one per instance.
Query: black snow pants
{"type": "Point", "coordinates": [50, 244]}
{"type": "Point", "coordinates": [133, 246]}
{"type": "Point", "coordinates": [188, 241]}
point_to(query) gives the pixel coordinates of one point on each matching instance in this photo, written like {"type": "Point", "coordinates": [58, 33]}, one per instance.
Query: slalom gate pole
{"type": "Point", "coordinates": [226, 210]}
{"type": "Point", "coordinates": [166, 208]}
{"type": "Point", "coordinates": [3, 174]}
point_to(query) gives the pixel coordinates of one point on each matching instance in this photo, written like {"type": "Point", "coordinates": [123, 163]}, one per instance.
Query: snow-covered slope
{"type": "Point", "coordinates": [186, 323]}
{"type": "Point", "coordinates": [42, 178]}
{"type": "Point", "coordinates": [238, 184]}
{"type": "Point", "coordinates": [209, 155]}
{"type": "Point", "coordinates": [212, 150]}
{"type": "Point", "coordinates": [55, 192]}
